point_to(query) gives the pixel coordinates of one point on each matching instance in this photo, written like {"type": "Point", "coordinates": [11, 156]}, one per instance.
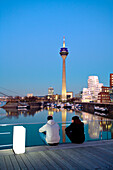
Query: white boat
{"type": "Point", "coordinates": [23, 106]}
{"type": "Point", "coordinates": [100, 109]}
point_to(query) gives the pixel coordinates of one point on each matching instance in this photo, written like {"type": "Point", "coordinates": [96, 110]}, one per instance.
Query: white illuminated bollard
{"type": "Point", "coordinates": [19, 133]}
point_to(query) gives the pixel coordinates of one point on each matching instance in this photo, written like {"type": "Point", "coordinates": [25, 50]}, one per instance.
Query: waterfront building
{"type": "Point", "coordinates": [103, 97]}
{"type": "Point", "coordinates": [94, 87]}
{"type": "Point", "coordinates": [86, 95]}
{"type": "Point", "coordinates": [69, 95]}
{"type": "Point", "coordinates": [106, 95]}
{"type": "Point", "coordinates": [30, 95]}
{"type": "Point", "coordinates": [50, 91]}
{"type": "Point", "coordinates": [105, 89]}
{"type": "Point", "coordinates": [64, 53]}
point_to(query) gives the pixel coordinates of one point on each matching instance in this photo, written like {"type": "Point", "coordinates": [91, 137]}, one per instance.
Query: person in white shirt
{"type": "Point", "coordinates": [49, 133]}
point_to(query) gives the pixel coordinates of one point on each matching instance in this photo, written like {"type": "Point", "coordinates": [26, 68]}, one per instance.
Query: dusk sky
{"type": "Point", "coordinates": [31, 35]}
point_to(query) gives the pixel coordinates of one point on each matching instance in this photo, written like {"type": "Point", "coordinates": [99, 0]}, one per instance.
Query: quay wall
{"type": "Point", "coordinates": [14, 105]}
{"type": "Point", "coordinates": [89, 107]}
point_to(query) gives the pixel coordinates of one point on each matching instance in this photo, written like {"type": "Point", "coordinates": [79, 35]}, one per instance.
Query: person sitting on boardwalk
{"type": "Point", "coordinates": [50, 132]}
{"type": "Point", "coordinates": [75, 131]}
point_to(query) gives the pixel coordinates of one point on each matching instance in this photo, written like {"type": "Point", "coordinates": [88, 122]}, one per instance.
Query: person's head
{"type": "Point", "coordinates": [75, 119]}
{"type": "Point", "coordinates": [49, 118]}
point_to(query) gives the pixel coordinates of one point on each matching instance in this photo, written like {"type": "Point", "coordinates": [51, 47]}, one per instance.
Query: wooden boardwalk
{"type": "Point", "coordinates": [89, 155]}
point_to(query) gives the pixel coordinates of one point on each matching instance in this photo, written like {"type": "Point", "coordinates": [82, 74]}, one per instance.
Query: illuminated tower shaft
{"type": "Point", "coordinates": [63, 53]}
{"type": "Point", "coordinates": [64, 80]}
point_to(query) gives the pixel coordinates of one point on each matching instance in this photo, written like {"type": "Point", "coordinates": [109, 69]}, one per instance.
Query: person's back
{"type": "Point", "coordinates": [75, 131]}
{"type": "Point", "coordinates": [51, 131]}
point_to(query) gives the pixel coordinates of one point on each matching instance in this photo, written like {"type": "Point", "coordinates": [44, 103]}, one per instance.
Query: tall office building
{"type": "Point", "coordinates": [64, 53]}
{"type": "Point", "coordinates": [50, 91]}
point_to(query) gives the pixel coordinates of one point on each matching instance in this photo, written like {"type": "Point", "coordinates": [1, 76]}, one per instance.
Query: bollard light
{"type": "Point", "coordinates": [19, 133]}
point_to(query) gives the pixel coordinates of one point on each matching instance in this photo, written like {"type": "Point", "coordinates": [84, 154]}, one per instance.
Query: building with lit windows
{"type": "Point", "coordinates": [50, 91]}
{"type": "Point", "coordinates": [103, 97]}
{"type": "Point", "coordinates": [86, 95]}
{"type": "Point", "coordinates": [106, 96]}
{"type": "Point", "coordinates": [30, 95]}
{"type": "Point", "coordinates": [94, 87]}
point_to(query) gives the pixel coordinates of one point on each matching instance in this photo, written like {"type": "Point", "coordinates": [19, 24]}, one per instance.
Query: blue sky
{"type": "Point", "coordinates": [31, 35]}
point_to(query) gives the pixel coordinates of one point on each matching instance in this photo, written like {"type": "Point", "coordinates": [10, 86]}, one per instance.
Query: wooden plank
{"type": "Point", "coordinates": [100, 156]}
{"type": "Point", "coordinates": [6, 152]}
{"type": "Point", "coordinates": [108, 148]}
{"type": "Point", "coordinates": [109, 151]}
{"type": "Point", "coordinates": [60, 160]}
{"type": "Point", "coordinates": [2, 163]}
{"type": "Point", "coordinates": [107, 155]}
{"type": "Point", "coordinates": [70, 160]}
{"type": "Point", "coordinates": [8, 163]}
{"type": "Point", "coordinates": [20, 162]}
{"type": "Point", "coordinates": [34, 163]}
{"type": "Point", "coordinates": [53, 163]}
{"type": "Point", "coordinates": [37, 160]}
{"type": "Point", "coordinates": [55, 160]}
{"type": "Point", "coordinates": [14, 162]}
{"type": "Point", "coordinates": [44, 161]}
{"type": "Point", "coordinates": [26, 161]}
{"type": "Point", "coordinates": [94, 158]}
{"type": "Point", "coordinates": [77, 158]}
{"type": "Point", "coordinates": [89, 159]}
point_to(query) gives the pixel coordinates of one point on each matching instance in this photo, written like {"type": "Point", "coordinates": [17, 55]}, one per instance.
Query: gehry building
{"type": "Point", "coordinates": [94, 87]}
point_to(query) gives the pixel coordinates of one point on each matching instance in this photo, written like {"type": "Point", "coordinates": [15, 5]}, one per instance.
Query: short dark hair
{"type": "Point", "coordinates": [49, 117]}
{"type": "Point", "coordinates": [75, 118]}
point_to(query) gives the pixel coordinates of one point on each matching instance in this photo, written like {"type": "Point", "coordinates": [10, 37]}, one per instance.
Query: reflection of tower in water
{"type": "Point", "coordinates": [64, 113]}
{"type": "Point", "coordinates": [50, 113]}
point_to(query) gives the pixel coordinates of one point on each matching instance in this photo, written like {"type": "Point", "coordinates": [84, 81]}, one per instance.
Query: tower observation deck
{"type": "Point", "coordinates": [64, 53]}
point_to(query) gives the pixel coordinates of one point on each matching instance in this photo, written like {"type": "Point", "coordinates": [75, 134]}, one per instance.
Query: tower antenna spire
{"type": "Point", "coordinates": [63, 41]}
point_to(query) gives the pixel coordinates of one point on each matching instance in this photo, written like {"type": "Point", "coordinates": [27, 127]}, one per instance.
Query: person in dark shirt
{"type": "Point", "coordinates": [75, 131]}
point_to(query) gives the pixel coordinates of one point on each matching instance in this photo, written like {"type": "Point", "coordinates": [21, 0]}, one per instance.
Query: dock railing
{"type": "Point", "coordinates": [93, 130]}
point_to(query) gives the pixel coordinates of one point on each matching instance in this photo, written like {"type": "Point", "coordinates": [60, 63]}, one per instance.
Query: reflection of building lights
{"type": "Point", "coordinates": [100, 128]}
{"type": "Point", "coordinates": [84, 121]}
{"type": "Point", "coordinates": [104, 122]}
{"type": "Point", "coordinates": [109, 126]}
{"type": "Point", "coordinates": [64, 113]}
{"type": "Point", "coordinates": [47, 108]}
{"type": "Point", "coordinates": [50, 113]}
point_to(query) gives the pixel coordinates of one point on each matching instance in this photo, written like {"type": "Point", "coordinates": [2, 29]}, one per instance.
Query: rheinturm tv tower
{"type": "Point", "coordinates": [64, 53]}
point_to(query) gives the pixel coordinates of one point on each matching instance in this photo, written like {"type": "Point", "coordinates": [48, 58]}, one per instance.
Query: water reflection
{"type": "Point", "coordinates": [10, 113]}
{"type": "Point", "coordinates": [64, 114]}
